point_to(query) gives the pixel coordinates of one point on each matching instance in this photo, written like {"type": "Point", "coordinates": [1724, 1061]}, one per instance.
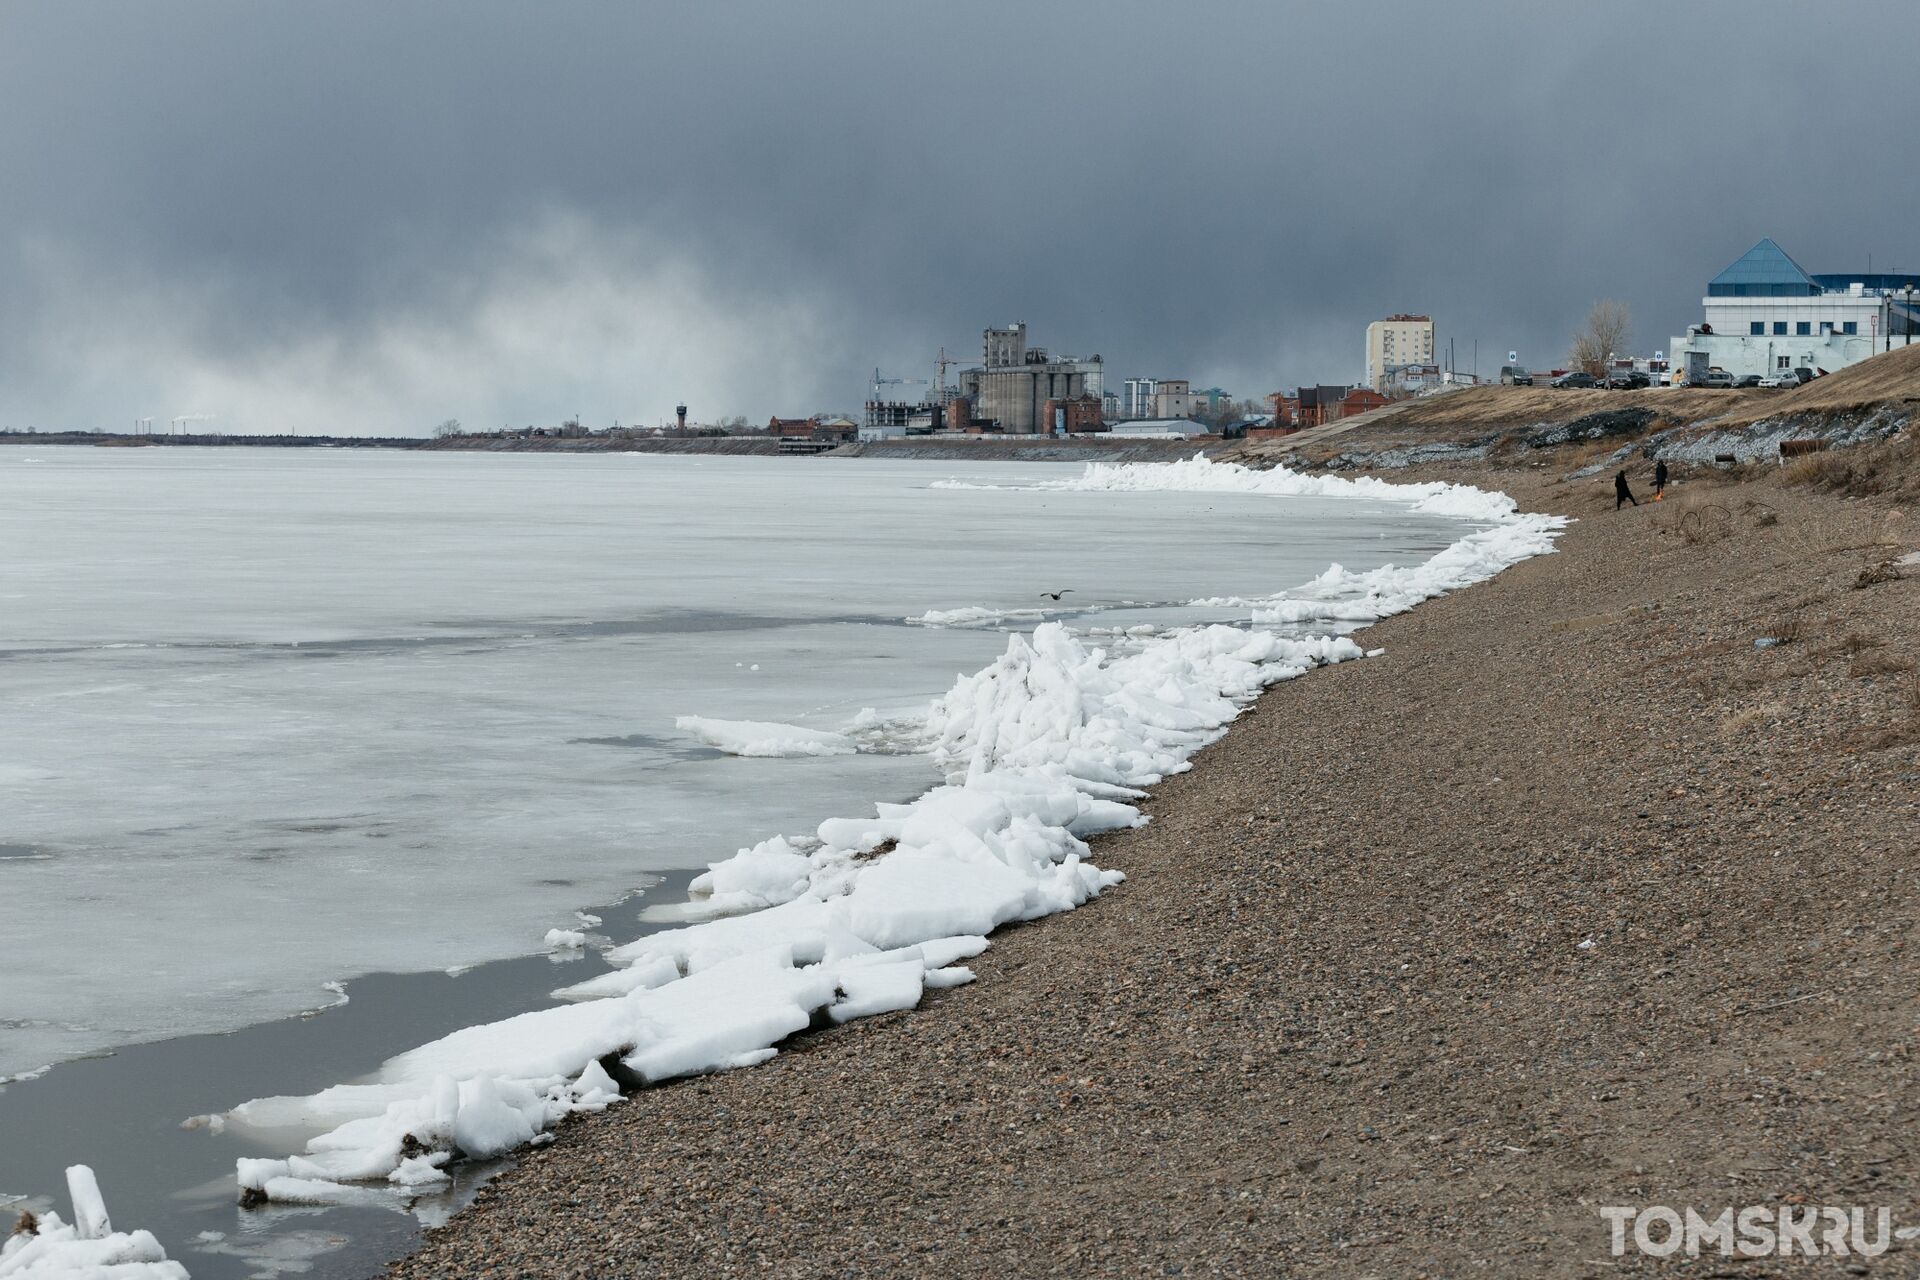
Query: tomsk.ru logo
{"type": "Point", "coordinates": [1754, 1231]}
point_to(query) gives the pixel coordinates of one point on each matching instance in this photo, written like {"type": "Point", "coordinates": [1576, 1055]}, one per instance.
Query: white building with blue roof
{"type": "Point", "coordinates": [1765, 313]}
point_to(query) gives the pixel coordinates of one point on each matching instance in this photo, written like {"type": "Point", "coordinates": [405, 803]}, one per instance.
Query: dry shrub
{"type": "Point", "coordinates": [1740, 721]}
{"type": "Point", "coordinates": [1861, 471]}
{"type": "Point", "coordinates": [1789, 628]}
{"type": "Point", "coordinates": [1694, 518]}
{"type": "Point", "coordinates": [1854, 530]}
{"type": "Point", "coordinates": [1819, 470]}
{"type": "Point", "coordinates": [1576, 456]}
{"type": "Point", "coordinates": [1851, 643]}
{"type": "Point", "coordinates": [1879, 664]}
{"type": "Point", "coordinates": [1877, 572]}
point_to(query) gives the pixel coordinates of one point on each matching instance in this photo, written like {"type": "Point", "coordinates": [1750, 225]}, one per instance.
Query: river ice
{"type": "Point", "coordinates": [277, 718]}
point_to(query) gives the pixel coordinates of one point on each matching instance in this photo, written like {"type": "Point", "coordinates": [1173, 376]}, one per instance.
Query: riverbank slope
{"type": "Point", "coordinates": [1575, 897]}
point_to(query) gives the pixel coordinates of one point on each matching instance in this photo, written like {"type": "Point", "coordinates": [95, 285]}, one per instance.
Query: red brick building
{"type": "Point", "coordinates": [1360, 400]}
{"type": "Point", "coordinates": [1081, 413]}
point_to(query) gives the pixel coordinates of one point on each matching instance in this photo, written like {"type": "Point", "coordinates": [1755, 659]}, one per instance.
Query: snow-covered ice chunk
{"type": "Point", "coordinates": [89, 1209]}
{"type": "Point", "coordinates": [764, 738]}
{"type": "Point", "coordinates": [89, 1249]}
{"type": "Point", "coordinates": [415, 1172]}
{"type": "Point", "coordinates": [768, 874]}
{"type": "Point", "coordinates": [564, 940]}
{"type": "Point", "coordinates": [655, 972]}
{"type": "Point", "coordinates": [878, 988]}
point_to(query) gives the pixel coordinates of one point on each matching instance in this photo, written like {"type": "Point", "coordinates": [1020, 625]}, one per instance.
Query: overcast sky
{"type": "Point", "coordinates": [369, 217]}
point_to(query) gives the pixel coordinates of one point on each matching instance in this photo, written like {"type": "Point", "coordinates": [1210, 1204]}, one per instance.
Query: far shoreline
{"type": "Point", "coordinates": [916, 448]}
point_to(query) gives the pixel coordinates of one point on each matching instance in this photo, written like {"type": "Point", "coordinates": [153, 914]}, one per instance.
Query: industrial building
{"type": "Point", "coordinates": [1397, 340]}
{"type": "Point", "coordinates": [1765, 313]}
{"type": "Point", "coordinates": [1172, 398]}
{"type": "Point", "coordinates": [1013, 386]}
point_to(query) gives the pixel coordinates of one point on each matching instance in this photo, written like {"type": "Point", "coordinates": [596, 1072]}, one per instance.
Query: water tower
{"type": "Point", "coordinates": [680, 417]}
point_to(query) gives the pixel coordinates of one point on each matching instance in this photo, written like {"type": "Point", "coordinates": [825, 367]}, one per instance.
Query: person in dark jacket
{"type": "Point", "coordinates": [1659, 477]}
{"type": "Point", "coordinates": [1620, 491]}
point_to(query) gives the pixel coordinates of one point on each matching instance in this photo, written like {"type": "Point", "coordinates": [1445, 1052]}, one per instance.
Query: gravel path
{"type": "Point", "coordinates": [1341, 1019]}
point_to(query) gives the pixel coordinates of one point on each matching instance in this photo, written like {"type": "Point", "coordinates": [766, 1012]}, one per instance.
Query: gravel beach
{"type": "Point", "coordinates": [1576, 897]}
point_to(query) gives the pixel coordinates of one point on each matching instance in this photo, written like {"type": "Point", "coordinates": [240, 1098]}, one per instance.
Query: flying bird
{"type": "Point", "coordinates": [1055, 595]}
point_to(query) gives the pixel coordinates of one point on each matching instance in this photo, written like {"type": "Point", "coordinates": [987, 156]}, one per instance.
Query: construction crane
{"type": "Point", "coordinates": [942, 361]}
{"type": "Point", "coordinates": [879, 382]}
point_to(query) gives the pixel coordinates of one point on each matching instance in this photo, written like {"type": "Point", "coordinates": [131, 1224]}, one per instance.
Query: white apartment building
{"type": "Point", "coordinates": [1764, 313]}
{"type": "Point", "coordinates": [1138, 400]}
{"type": "Point", "coordinates": [1397, 340]}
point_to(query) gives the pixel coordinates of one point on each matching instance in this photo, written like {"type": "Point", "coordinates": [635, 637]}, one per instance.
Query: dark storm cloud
{"type": "Point", "coordinates": [370, 216]}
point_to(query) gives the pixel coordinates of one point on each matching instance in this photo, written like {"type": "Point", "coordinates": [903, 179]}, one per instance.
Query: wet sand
{"type": "Point", "coordinates": [1576, 897]}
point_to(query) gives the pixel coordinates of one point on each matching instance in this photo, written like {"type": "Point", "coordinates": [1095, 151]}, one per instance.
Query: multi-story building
{"type": "Point", "coordinates": [1014, 384]}
{"type": "Point", "coordinates": [1172, 398]}
{"type": "Point", "coordinates": [1138, 400]}
{"type": "Point", "coordinates": [1764, 313]}
{"type": "Point", "coordinates": [1400, 339]}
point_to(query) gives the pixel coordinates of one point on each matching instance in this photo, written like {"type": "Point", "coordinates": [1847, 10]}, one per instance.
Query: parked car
{"type": "Point", "coordinates": [1513, 375]}
{"type": "Point", "coordinates": [1749, 380]}
{"type": "Point", "coordinates": [1779, 379]}
{"type": "Point", "coordinates": [1576, 379]}
{"type": "Point", "coordinates": [1718, 378]}
{"type": "Point", "coordinates": [1628, 382]}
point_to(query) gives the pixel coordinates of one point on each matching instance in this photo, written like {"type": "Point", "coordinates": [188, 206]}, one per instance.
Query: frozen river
{"type": "Point", "coordinates": [275, 718]}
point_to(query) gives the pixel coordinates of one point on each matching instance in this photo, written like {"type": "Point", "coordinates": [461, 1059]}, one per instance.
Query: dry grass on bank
{"type": "Point", "coordinates": [1491, 408]}
{"type": "Point", "coordinates": [1891, 469]}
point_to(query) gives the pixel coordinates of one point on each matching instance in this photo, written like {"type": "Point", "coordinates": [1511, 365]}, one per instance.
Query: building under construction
{"type": "Point", "coordinates": [1022, 390]}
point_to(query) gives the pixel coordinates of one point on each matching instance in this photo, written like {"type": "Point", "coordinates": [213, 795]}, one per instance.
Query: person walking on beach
{"type": "Point", "coordinates": [1659, 479]}
{"type": "Point", "coordinates": [1620, 491]}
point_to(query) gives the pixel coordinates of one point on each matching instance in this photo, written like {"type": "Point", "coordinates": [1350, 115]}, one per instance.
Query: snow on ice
{"type": "Point", "coordinates": [1051, 743]}
{"type": "Point", "coordinates": [760, 738]}
{"type": "Point", "coordinates": [975, 615]}
{"type": "Point", "coordinates": [89, 1249]}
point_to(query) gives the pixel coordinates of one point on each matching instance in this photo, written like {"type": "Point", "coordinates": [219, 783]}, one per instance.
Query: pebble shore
{"type": "Point", "coordinates": [1576, 897]}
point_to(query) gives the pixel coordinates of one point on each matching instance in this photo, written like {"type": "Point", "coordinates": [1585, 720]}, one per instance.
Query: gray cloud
{"type": "Point", "coordinates": [369, 216]}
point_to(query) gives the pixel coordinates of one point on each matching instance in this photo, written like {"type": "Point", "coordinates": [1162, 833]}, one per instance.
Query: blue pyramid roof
{"type": "Point", "coordinates": [1764, 271]}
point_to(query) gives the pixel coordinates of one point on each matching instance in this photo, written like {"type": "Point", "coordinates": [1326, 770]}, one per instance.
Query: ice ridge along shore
{"type": "Point", "coordinates": [1050, 744]}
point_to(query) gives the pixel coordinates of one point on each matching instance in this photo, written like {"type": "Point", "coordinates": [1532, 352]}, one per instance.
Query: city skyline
{"type": "Point", "coordinates": [369, 218]}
